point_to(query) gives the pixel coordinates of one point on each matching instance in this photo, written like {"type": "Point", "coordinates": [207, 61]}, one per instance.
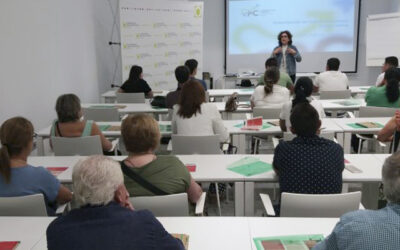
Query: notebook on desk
{"type": "Point", "coordinates": [9, 245]}
{"type": "Point", "coordinates": [369, 124]}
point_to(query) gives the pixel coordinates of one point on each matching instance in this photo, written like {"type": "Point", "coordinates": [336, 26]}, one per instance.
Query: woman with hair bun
{"type": "Point", "coordinates": [271, 94]}
{"type": "Point", "coordinates": [302, 94]}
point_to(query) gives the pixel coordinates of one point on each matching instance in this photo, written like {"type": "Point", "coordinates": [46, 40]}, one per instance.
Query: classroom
{"type": "Point", "coordinates": [199, 124]}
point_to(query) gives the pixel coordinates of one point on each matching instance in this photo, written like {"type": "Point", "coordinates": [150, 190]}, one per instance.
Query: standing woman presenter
{"type": "Point", "coordinates": [286, 54]}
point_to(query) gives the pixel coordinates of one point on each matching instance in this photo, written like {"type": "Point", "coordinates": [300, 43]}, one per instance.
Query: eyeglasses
{"type": "Point", "coordinates": [283, 36]}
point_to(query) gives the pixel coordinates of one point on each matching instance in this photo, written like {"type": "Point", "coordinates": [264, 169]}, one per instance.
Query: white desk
{"type": "Point", "coordinates": [238, 135]}
{"type": "Point", "coordinates": [28, 230]}
{"type": "Point", "coordinates": [348, 130]}
{"type": "Point", "coordinates": [110, 96]}
{"type": "Point", "coordinates": [359, 89]}
{"type": "Point", "coordinates": [370, 177]}
{"type": "Point", "coordinates": [211, 232]}
{"type": "Point", "coordinates": [131, 108]}
{"type": "Point", "coordinates": [268, 227]}
{"type": "Point", "coordinates": [217, 233]}
{"type": "Point", "coordinates": [209, 168]}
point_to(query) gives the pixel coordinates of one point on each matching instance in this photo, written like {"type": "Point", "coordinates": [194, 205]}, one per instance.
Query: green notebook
{"type": "Point", "coordinates": [249, 166]}
{"type": "Point", "coordinates": [165, 127]}
{"type": "Point", "coordinates": [360, 125]}
{"type": "Point", "coordinates": [104, 127]}
{"type": "Point", "coordinates": [350, 102]}
{"type": "Point", "coordinates": [293, 242]}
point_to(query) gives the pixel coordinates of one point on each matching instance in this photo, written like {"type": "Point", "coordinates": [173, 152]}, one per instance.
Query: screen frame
{"type": "Point", "coordinates": [226, 40]}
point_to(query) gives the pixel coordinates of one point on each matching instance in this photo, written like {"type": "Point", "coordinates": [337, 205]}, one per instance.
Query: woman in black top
{"type": "Point", "coordinates": [135, 83]}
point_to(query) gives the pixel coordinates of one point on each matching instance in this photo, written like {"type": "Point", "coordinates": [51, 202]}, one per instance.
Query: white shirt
{"type": "Point", "coordinates": [380, 78]}
{"type": "Point", "coordinates": [283, 63]}
{"type": "Point", "coordinates": [278, 97]}
{"type": "Point", "coordinates": [331, 80]}
{"type": "Point", "coordinates": [208, 122]}
{"type": "Point", "coordinates": [287, 108]}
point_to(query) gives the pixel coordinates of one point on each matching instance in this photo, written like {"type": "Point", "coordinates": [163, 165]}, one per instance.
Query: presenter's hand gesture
{"type": "Point", "coordinates": [291, 51]}
{"type": "Point", "coordinates": [278, 50]}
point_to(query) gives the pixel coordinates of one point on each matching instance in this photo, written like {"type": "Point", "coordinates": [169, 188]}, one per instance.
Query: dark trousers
{"type": "Point", "coordinates": [293, 77]}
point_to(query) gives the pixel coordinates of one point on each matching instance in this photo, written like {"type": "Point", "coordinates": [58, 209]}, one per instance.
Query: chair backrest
{"type": "Point", "coordinates": [87, 145]}
{"type": "Point", "coordinates": [130, 97]}
{"type": "Point", "coordinates": [30, 205]}
{"type": "Point", "coordinates": [288, 136]}
{"type": "Point", "coordinates": [336, 94]}
{"type": "Point", "coordinates": [266, 113]}
{"type": "Point", "coordinates": [187, 145]}
{"type": "Point", "coordinates": [163, 205]}
{"type": "Point", "coordinates": [101, 114]}
{"type": "Point", "coordinates": [369, 111]}
{"type": "Point", "coordinates": [319, 205]}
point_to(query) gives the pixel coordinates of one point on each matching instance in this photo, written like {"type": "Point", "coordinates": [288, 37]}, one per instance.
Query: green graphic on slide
{"type": "Point", "coordinates": [318, 20]}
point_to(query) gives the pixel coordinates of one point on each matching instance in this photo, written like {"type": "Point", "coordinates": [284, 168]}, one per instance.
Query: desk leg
{"type": "Point", "coordinates": [40, 146]}
{"type": "Point", "coordinates": [239, 140]}
{"type": "Point", "coordinates": [239, 199]}
{"type": "Point", "coordinates": [249, 199]}
{"type": "Point", "coordinates": [370, 194]}
{"type": "Point", "coordinates": [334, 114]}
{"type": "Point", "coordinates": [347, 143]}
{"type": "Point", "coordinates": [340, 139]}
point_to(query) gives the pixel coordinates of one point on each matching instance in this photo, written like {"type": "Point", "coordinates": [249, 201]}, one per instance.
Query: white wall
{"type": "Point", "coordinates": [47, 48]}
{"type": "Point", "coordinates": [51, 47]}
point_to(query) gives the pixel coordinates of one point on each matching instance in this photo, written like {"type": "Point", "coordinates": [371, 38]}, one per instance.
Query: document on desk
{"type": "Point", "coordinates": [9, 245]}
{"type": "Point", "coordinates": [249, 166]}
{"type": "Point", "coordinates": [293, 242]}
{"type": "Point", "coordinates": [358, 125]}
{"type": "Point", "coordinates": [184, 238]}
{"type": "Point", "coordinates": [56, 171]}
{"type": "Point", "coordinates": [350, 102]}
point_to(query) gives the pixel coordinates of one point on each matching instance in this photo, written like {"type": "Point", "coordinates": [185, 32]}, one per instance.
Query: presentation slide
{"type": "Point", "coordinates": [321, 29]}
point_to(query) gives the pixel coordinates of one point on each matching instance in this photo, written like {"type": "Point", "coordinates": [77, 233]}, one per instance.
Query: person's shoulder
{"type": "Point", "coordinates": [169, 159]}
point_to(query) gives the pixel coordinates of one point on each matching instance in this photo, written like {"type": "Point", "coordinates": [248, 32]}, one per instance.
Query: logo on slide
{"type": "Point", "coordinates": [160, 45]}
{"type": "Point", "coordinates": [142, 35]}
{"type": "Point", "coordinates": [197, 11]}
{"type": "Point", "coordinates": [185, 44]}
{"type": "Point", "coordinates": [160, 64]}
{"type": "Point", "coordinates": [159, 25]}
{"type": "Point", "coordinates": [170, 34]}
{"type": "Point", "coordinates": [170, 53]}
{"type": "Point", "coordinates": [169, 73]}
{"type": "Point", "coordinates": [143, 55]}
{"type": "Point", "coordinates": [130, 46]}
{"type": "Point", "coordinates": [130, 24]}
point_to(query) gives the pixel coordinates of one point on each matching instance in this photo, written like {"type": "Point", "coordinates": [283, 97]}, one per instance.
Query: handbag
{"type": "Point", "coordinates": [159, 101]}
{"type": "Point", "coordinates": [232, 103]}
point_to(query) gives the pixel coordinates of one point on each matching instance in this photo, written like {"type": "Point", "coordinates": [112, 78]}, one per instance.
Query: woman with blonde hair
{"type": "Point", "coordinates": [166, 174]}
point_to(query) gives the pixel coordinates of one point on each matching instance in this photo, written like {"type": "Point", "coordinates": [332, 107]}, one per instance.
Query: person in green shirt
{"type": "Point", "coordinates": [284, 79]}
{"type": "Point", "coordinates": [141, 136]}
{"type": "Point", "coordinates": [387, 95]}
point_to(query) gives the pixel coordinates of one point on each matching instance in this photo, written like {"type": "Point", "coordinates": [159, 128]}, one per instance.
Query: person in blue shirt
{"type": "Point", "coordinates": [370, 229]}
{"type": "Point", "coordinates": [17, 177]}
{"type": "Point", "coordinates": [105, 218]}
{"type": "Point", "coordinates": [192, 65]}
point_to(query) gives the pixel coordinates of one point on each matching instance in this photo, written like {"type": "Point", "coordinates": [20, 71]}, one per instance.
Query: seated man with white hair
{"type": "Point", "coordinates": [368, 229]}
{"type": "Point", "coordinates": [106, 219]}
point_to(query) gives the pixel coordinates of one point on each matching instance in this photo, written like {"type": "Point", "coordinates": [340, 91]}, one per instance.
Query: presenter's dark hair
{"type": "Point", "coordinates": [333, 64]}
{"type": "Point", "coordinates": [302, 90]}
{"type": "Point", "coordinates": [392, 61]}
{"type": "Point", "coordinates": [68, 108]}
{"type": "Point", "coordinates": [15, 135]}
{"type": "Point", "coordinates": [182, 74]}
{"type": "Point", "coordinates": [271, 62]}
{"type": "Point", "coordinates": [392, 77]}
{"type": "Point", "coordinates": [304, 119]}
{"type": "Point", "coordinates": [271, 77]}
{"type": "Point", "coordinates": [288, 34]}
{"type": "Point", "coordinates": [190, 100]}
{"type": "Point", "coordinates": [135, 72]}
{"type": "Point", "coordinates": [192, 65]}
